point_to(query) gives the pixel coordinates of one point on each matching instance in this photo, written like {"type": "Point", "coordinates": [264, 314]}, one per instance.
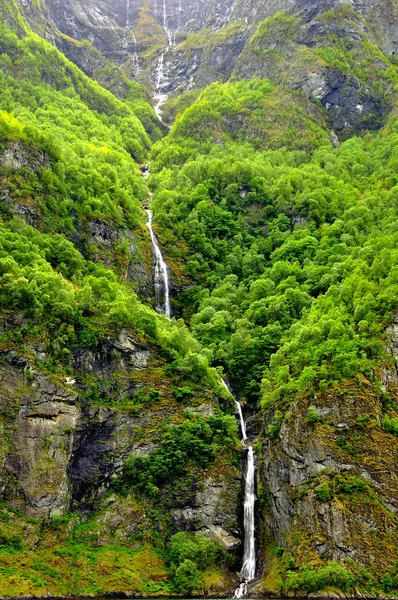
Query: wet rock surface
{"type": "Point", "coordinates": [337, 452]}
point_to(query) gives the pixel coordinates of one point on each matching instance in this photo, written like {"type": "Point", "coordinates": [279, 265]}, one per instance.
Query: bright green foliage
{"type": "Point", "coordinates": [197, 548]}
{"type": "Point", "coordinates": [48, 279]}
{"type": "Point", "coordinates": [184, 394]}
{"type": "Point", "coordinates": [186, 577]}
{"type": "Point", "coordinates": [323, 492]}
{"type": "Point", "coordinates": [293, 254]}
{"type": "Point", "coordinates": [390, 424]}
{"type": "Point", "coordinates": [194, 442]}
{"type": "Point", "coordinates": [189, 555]}
{"type": "Point", "coordinates": [81, 137]}
{"type": "Point", "coordinates": [313, 415]}
{"type": "Point", "coordinates": [314, 580]}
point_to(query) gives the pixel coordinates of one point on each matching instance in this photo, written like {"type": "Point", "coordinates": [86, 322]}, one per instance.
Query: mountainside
{"type": "Point", "coordinates": [338, 53]}
{"type": "Point", "coordinates": [272, 181]}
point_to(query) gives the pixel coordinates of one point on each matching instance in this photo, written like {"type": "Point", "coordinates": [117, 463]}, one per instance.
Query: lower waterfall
{"type": "Point", "coordinates": [248, 571]}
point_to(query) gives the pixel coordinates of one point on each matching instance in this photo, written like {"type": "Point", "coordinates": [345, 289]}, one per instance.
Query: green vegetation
{"type": "Point", "coordinates": [283, 251]}
{"type": "Point", "coordinates": [196, 441]}
{"type": "Point", "coordinates": [189, 555]}
{"type": "Point", "coordinates": [390, 424]}
{"type": "Point", "coordinates": [292, 255]}
{"type": "Point", "coordinates": [309, 579]}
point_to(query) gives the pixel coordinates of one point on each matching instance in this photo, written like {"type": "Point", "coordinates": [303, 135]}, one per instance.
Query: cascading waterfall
{"type": "Point", "coordinates": [136, 64]}
{"type": "Point", "coordinates": [165, 27]}
{"type": "Point", "coordinates": [161, 74]}
{"type": "Point", "coordinates": [160, 82]}
{"type": "Point", "coordinates": [240, 413]}
{"type": "Point", "coordinates": [248, 571]}
{"type": "Point", "coordinates": [241, 421]}
{"type": "Point", "coordinates": [161, 274]}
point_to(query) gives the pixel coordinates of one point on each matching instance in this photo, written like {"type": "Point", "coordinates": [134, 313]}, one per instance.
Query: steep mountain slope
{"type": "Point", "coordinates": [290, 244]}
{"type": "Point", "coordinates": [96, 388]}
{"type": "Point", "coordinates": [120, 466]}
{"type": "Point", "coordinates": [340, 54]}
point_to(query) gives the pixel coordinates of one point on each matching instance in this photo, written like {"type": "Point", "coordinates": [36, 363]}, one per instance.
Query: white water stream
{"type": "Point", "coordinates": [161, 274]}
{"type": "Point", "coordinates": [161, 72]}
{"type": "Point", "coordinates": [136, 63]}
{"type": "Point", "coordinates": [248, 571]}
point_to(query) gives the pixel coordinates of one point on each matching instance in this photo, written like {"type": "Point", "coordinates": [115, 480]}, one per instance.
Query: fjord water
{"type": "Point", "coordinates": [161, 274]}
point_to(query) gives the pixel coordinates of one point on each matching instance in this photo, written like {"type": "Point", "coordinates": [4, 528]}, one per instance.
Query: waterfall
{"type": "Point", "coordinates": [127, 14]}
{"type": "Point", "coordinates": [161, 275]}
{"type": "Point", "coordinates": [165, 27]}
{"type": "Point", "coordinates": [136, 64]}
{"type": "Point", "coordinates": [240, 413]}
{"type": "Point", "coordinates": [248, 571]}
{"type": "Point", "coordinates": [160, 82]}
{"type": "Point", "coordinates": [241, 421]}
{"type": "Point", "coordinates": [161, 74]}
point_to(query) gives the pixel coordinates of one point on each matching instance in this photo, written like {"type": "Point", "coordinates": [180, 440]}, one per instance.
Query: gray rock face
{"type": "Point", "coordinates": [123, 31]}
{"type": "Point", "coordinates": [16, 156]}
{"type": "Point", "coordinates": [64, 451]}
{"type": "Point", "coordinates": [63, 441]}
{"type": "Point", "coordinates": [307, 454]}
{"type": "Point", "coordinates": [34, 466]}
{"type": "Point", "coordinates": [390, 375]}
{"type": "Point", "coordinates": [214, 511]}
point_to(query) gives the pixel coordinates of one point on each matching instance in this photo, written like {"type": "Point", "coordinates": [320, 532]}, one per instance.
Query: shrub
{"type": "Point", "coordinates": [184, 394]}
{"type": "Point", "coordinates": [195, 442]}
{"type": "Point", "coordinates": [390, 425]}
{"type": "Point", "coordinates": [362, 421]}
{"type": "Point", "coordinates": [352, 485]}
{"type": "Point", "coordinates": [323, 492]}
{"type": "Point", "coordinates": [9, 539]}
{"type": "Point", "coordinates": [314, 580]}
{"type": "Point", "coordinates": [312, 415]}
{"type": "Point", "coordinates": [186, 577]}
{"type": "Point", "coordinates": [197, 548]}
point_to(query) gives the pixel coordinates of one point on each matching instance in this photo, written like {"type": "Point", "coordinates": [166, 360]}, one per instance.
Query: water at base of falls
{"type": "Point", "coordinates": [241, 591]}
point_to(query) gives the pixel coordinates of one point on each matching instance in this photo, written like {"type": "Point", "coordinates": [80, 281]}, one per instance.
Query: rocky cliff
{"type": "Point", "coordinates": [115, 432]}
{"type": "Point", "coordinates": [176, 47]}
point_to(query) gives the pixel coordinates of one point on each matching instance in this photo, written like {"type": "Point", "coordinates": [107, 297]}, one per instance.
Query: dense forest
{"type": "Point", "coordinates": [121, 468]}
